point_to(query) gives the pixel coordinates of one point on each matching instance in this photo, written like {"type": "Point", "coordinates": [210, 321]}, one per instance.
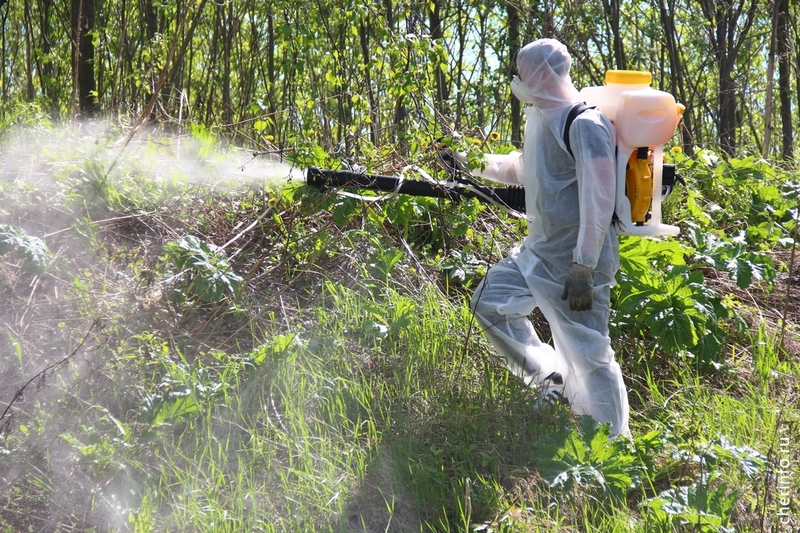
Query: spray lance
{"type": "Point", "coordinates": [459, 185]}
{"type": "Point", "coordinates": [644, 119]}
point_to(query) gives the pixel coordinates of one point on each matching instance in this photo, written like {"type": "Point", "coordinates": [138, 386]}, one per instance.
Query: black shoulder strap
{"type": "Point", "coordinates": [576, 110]}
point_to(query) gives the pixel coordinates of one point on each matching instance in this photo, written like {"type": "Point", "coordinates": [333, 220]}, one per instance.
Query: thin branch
{"type": "Point", "coordinates": [5, 427]}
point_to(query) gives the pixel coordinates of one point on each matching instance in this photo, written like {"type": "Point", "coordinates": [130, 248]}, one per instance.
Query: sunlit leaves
{"type": "Point", "coordinates": [589, 459]}
{"type": "Point", "coordinates": [708, 504]}
{"type": "Point", "coordinates": [31, 250]}
{"type": "Point", "coordinates": [744, 197]}
{"type": "Point", "coordinates": [662, 299]}
{"type": "Point", "coordinates": [204, 266]}
{"type": "Point", "coordinates": [732, 255]}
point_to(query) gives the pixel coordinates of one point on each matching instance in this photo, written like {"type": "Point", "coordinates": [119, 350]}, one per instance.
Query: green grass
{"type": "Point", "coordinates": [333, 381]}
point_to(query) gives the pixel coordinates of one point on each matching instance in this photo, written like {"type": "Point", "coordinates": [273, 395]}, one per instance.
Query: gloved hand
{"type": "Point", "coordinates": [451, 159]}
{"type": "Point", "coordinates": [579, 288]}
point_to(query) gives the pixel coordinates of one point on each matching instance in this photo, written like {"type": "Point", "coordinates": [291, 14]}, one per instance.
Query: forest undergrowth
{"type": "Point", "coordinates": [188, 347]}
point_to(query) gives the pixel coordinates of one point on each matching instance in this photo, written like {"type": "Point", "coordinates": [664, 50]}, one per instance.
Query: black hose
{"type": "Point", "coordinates": [512, 198]}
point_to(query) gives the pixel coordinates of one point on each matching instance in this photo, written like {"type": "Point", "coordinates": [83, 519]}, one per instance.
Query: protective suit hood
{"type": "Point", "coordinates": [543, 68]}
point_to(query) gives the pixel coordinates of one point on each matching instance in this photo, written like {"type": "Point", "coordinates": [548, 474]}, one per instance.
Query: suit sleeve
{"type": "Point", "coordinates": [506, 168]}
{"type": "Point", "coordinates": [593, 142]}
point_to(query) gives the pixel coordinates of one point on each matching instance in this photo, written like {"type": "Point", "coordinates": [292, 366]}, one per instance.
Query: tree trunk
{"type": "Point", "coordinates": [228, 29]}
{"type": "Point", "coordinates": [768, 106]}
{"type": "Point", "coordinates": [3, 80]}
{"type": "Point", "coordinates": [150, 18]}
{"type": "Point", "coordinates": [211, 73]}
{"type": "Point", "coordinates": [124, 63]}
{"type": "Point", "coordinates": [345, 117]}
{"type": "Point", "coordinates": [84, 82]}
{"type": "Point", "coordinates": [797, 70]}
{"type": "Point", "coordinates": [437, 34]}
{"type": "Point", "coordinates": [785, 80]}
{"type": "Point", "coordinates": [458, 76]}
{"type": "Point", "coordinates": [728, 123]}
{"type": "Point", "coordinates": [150, 26]}
{"type": "Point", "coordinates": [677, 73]}
{"type": "Point", "coordinates": [29, 91]}
{"type": "Point", "coordinates": [481, 99]}
{"type": "Point", "coordinates": [48, 83]}
{"type": "Point", "coordinates": [611, 7]}
{"type": "Point", "coordinates": [373, 102]}
{"type": "Point", "coordinates": [725, 19]}
{"type": "Point", "coordinates": [174, 85]}
{"type": "Point", "coordinates": [400, 111]}
{"type": "Point", "coordinates": [272, 76]}
{"type": "Point", "coordinates": [513, 48]}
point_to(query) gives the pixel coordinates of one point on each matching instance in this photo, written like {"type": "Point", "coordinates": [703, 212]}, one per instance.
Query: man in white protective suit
{"type": "Point", "coordinates": [566, 265]}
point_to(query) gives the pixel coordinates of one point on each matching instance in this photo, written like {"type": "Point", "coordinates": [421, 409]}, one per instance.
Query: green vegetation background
{"type": "Point", "coordinates": [193, 351]}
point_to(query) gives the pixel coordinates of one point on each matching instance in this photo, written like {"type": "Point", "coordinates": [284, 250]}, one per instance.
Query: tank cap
{"type": "Point", "coordinates": [629, 77]}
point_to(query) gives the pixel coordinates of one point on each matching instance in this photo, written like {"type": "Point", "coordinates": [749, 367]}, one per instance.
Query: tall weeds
{"type": "Point", "coordinates": [276, 359]}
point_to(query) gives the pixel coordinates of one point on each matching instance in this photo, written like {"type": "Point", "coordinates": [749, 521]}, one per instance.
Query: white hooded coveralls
{"type": "Point", "coordinates": [570, 203]}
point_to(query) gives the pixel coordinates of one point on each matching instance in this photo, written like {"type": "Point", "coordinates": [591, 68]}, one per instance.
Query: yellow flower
{"type": "Point", "coordinates": [269, 138]}
{"type": "Point", "coordinates": [476, 142]}
{"type": "Point", "coordinates": [494, 136]}
{"type": "Point", "coordinates": [676, 150]}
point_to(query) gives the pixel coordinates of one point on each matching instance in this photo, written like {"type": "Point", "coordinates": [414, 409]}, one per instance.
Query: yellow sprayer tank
{"type": "Point", "coordinates": [644, 119]}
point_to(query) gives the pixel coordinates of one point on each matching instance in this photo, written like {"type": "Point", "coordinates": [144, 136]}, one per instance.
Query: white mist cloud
{"type": "Point", "coordinates": [33, 154]}
{"type": "Point", "coordinates": [72, 411]}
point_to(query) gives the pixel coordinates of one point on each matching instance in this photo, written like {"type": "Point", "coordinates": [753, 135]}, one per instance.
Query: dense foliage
{"type": "Point", "coordinates": [185, 351]}
{"type": "Point", "coordinates": [386, 75]}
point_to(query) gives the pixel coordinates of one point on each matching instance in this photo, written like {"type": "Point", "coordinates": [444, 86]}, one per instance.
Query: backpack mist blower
{"type": "Point", "coordinates": [644, 119]}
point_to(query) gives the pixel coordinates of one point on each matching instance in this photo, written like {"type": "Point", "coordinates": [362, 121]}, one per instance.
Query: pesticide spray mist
{"type": "Point", "coordinates": [196, 157]}
{"type": "Point", "coordinates": [57, 396]}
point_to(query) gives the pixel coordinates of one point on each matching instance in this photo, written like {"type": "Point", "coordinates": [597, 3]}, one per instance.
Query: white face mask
{"type": "Point", "coordinates": [520, 91]}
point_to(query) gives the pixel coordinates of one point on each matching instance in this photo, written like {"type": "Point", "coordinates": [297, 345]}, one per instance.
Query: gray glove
{"type": "Point", "coordinates": [579, 288]}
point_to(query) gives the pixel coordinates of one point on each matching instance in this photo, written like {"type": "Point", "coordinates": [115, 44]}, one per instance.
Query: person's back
{"type": "Point", "coordinates": [555, 219]}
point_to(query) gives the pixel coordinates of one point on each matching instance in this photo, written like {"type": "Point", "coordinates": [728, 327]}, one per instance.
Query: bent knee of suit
{"type": "Point", "coordinates": [480, 305]}
{"type": "Point", "coordinates": [586, 363]}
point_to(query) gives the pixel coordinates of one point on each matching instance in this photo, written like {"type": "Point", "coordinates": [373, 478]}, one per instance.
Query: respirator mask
{"type": "Point", "coordinates": [520, 91]}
